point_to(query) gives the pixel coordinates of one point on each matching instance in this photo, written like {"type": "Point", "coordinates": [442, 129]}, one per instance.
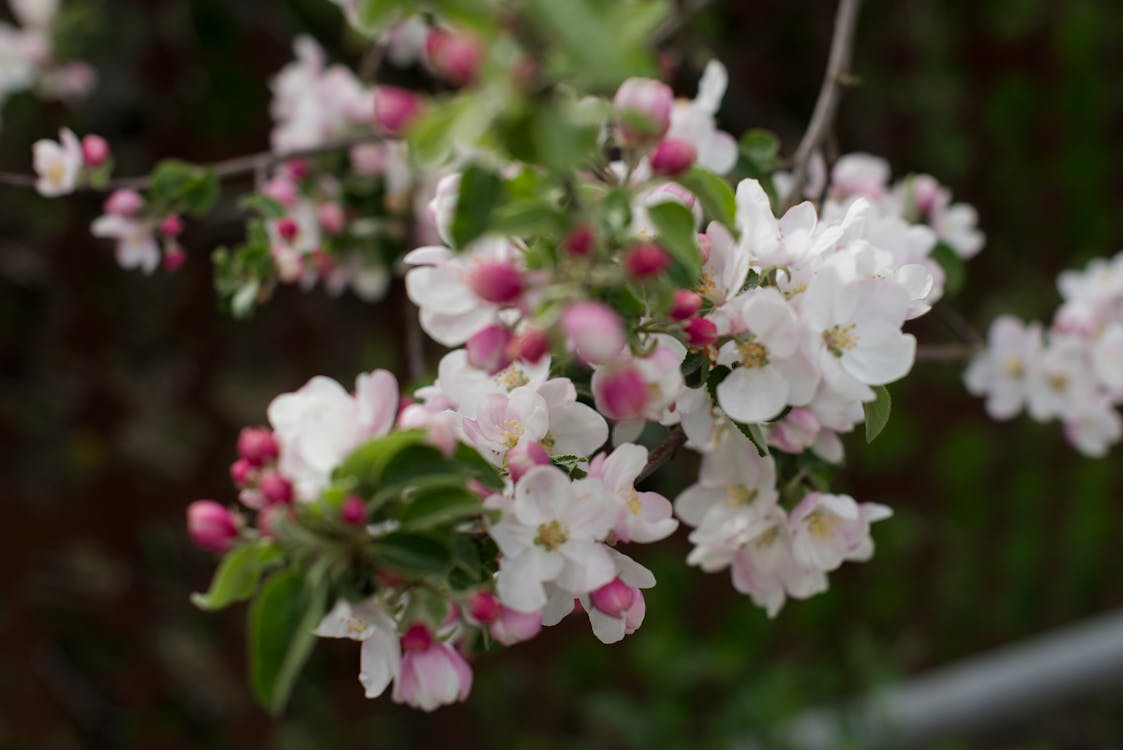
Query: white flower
{"type": "Point", "coordinates": [641, 516]}
{"type": "Point", "coordinates": [827, 529]}
{"type": "Point", "coordinates": [1107, 357]}
{"type": "Point", "coordinates": [1094, 428]}
{"type": "Point", "coordinates": [1001, 371]}
{"type": "Point", "coordinates": [1061, 383]}
{"type": "Point", "coordinates": [466, 386]}
{"type": "Point", "coordinates": [553, 533]}
{"type": "Point", "coordinates": [574, 428]}
{"type": "Point", "coordinates": [381, 653]}
{"type": "Point", "coordinates": [58, 164]}
{"type": "Point", "coordinates": [734, 481]}
{"type": "Point", "coordinates": [693, 122]}
{"type": "Point", "coordinates": [857, 325]}
{"type": "Point", "coordinates": [136, 244]}
{"type": "Point", "coordinates": [503, 422]}
{"type": "Point", "coordinates": [957, 225]}
{"type": "Point", "coordinates": [765, 568]}
{"type": "Point", "coordinates": [769, 370]}
{"type": "Point", "coordinates": [321, 424]}
{"type": "Point", "coordinates": [440, 284]}
{"type": "Point", "coordinates": [860, 174]}
{"type": "Point", "coordinates": [35, 13]}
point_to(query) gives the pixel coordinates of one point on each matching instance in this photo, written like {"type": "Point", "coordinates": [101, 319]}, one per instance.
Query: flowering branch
{"type": "Point", "coordinates": [842, 45]}
{"type": "Point", "coordinates": [237, 166]}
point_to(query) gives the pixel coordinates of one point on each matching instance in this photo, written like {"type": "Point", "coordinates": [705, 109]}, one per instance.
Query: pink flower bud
{"type": "Point", "coordinates": [353, 511]}
{"type": "Point", "coordinates": [123, 203]}
{"type": "Point", "coordinates": [395, 108]}
{"type": "Point", "coordinates": [287, 228]}
{"type": "Point", "coordinates": [642, 108]}
{"type": "Point", "coordinates": [212, 526]}
{"type": "Point", "coordinates": [522, 458]}
{"type": "Point", "coordinates": [673, 157]}
{"type": "Point", "coordinates": [276, 489]}
{"type": "Point", "coordinates": [297, 168]}
{"type": "Point", "coordinates": [496, 281]}
{"type": "Point", "coordinates": [645, 260]}
{"type": "Point", "coordinates": [484, 607]}
{"type": "Point", "coordinates": [513, 627]}
{"type": "Point", "coordinates": [331, 217]}
{"type": "Point", "coordinates": [174, 256]}
{"type": "Point", "coordinates": [633, 618]}
{"type": "Point", "coordinates": [700, 332]}
{"type": "Point", "coordinates": [614, 598]}
{"type": "Point", "coordinates": [487, 349]}
{"type": "Point", "coordinates": [417, 638]}
{"type": "Point", "coordinates": [796, 432]}
{"type": "Point", "coordinates": [171, 226]}
{"type": "Point", "coordinates": [95, 150]}
{"type": "Point", "coordinates": [240, 472]}
{"type": "Point", "coordinates": [257, 445]}
{"type": "Point", "coordinates": [453, 55]}
{"type": "Point", "coordinates": [621, 393]}
{"type": "Point", "coordinates": [705, 247]}
{"type": "Point", "coordinates": [281, 189]}
{"type": "Point", "coordinates": [686, 304]}
{"type": "Point", "coordinates": [593, 331]}
{"type": "Point", "coordinates": [579, 242]}
{"type": "Point", "coordinates": [530, 346]}
{"type": "Point", "coordinates": [928, 194]}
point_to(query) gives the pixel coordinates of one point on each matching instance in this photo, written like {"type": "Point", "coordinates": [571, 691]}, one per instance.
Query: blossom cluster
{"type": "Point", "coordinates": [27, 55]}
{"type": "Point", "coordinates": [1071, 371]}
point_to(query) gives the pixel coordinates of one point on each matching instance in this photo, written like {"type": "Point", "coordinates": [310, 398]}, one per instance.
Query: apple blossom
{"type": "Point", "coordinates": [58, 164]}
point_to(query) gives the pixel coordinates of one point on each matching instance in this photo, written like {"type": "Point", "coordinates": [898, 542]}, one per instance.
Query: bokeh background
{"type": "Point", "coordinates": [121, 395]}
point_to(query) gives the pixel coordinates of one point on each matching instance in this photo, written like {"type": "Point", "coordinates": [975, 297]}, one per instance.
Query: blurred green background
{"type": "Point", "coordinates": [121, 396]}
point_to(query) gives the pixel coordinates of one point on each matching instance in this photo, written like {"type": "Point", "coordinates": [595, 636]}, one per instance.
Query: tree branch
{"type": "Point", "coordinates": [226, 169]}
{"type": "Point", "coordinates": [838, 64]}
{"type": "Point", "coordinates": [946, 352]}
{"type": "Point", "coordinates": [663, 452]}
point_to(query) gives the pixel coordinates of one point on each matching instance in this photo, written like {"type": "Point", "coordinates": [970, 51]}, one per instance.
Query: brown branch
{"type": "Point", "coordinates": [946, 352]}
{"type": "Point", "coordinates": [226, 169]}
{"type": "Point", "coordinates": [838, 64]}
{"type": "Point", "coordinates": [663, 452]}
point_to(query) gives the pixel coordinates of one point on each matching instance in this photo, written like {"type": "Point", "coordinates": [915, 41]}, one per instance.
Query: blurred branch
{"type": "Point", "coordinates": [663, 452]}
{"type": "Point", "coordinates": [225, 169]}
{"type": "Point", "coordinates": [838, 64]}
{"type": "Point", "coordinates": [946, 352]}
{"type": "Point", "coordinates": [678, 18]}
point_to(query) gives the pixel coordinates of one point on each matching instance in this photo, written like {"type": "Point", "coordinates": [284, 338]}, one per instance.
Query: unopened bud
{"type": "Point", "coordinates": [483, 607]}
{"type": "Point", "coordinates": [580, 240]}
{"type": "Point", "coordinates": [453, 55]}
{"type": "Point", "coordinates": [257, 445]}
{"type": "Point", "coordinates": [522, 458]}
{"type": "Point", "coordinates": [645, 260]}
{"type": "Point", "coordinates": [496, 281]}
{"type": "Point", "coordinates": [124, 203]}
{"type": "Point", "coordinates": [353, 511]}
{"type": "Point", "coordinates": [593, 331]}
{"type": "Point", "coordinates": [700, 332]}
{"type": "Point", "coordinates": [212, 526]}
{"type": "Point", "coordinates": [395, 108]}
{"type": "Point", "coordinates": [530, 346]}
{"type": "Point", "coordinates": [642, 109]}
{"type": "Point", "coordinates": [276, 488]}
{"type": "Point", "coordinates": [673, 157]}
{"type": "Point", "coordinates": [686, 304]}
{"type": "Point", "coordinates": [95, 150]}
{"type": "Point", "coordinates": [614, 598]}
{"type": "Point", "coordinates": [487, 349]}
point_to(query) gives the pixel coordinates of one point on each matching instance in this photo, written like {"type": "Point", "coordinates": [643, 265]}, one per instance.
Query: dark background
{"type": "Point", "coordinates": [120, 397]}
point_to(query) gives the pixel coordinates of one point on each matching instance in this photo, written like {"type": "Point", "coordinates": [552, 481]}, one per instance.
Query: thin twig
{"type": "Point", "coordinates": [415, 341]}
{"type": "Point", "coordinates": [958, 325]}
{"type": "Point", "coordinates": [663, 452]}
{"type": "Point", "coordinates": [226, 169]}
{"type": "Point", "coordinates": [946, 352]}
{"type": "Point", "coordinates": [838, 64]}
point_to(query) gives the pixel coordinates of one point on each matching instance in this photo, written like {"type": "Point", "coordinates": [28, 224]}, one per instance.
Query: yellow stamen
{"type": "Point", "coordinates": [551, 535]}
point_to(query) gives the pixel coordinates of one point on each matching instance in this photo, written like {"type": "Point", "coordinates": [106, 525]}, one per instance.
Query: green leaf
{"type": "Point", "coordinates": [877, 412]}
{"type": "Point", "coordinates": [263, 205]}
{"type": "Point", "coordinates": [436, 506]}
{"type": "Point", "coordinates": [757, 158]}
{"type": "Point", "coordinates": [694, 369]}
{"type": "Point", "coordinates": [413, 554]}
{"type": "Point", "coordinates": [237, 575]}
{"type": "Point", "coordinates": [755, 434]}
{"type": "Point", "coordinates": [528, 218]}
{"type": "Point", "coordinates": [432, 134]}
{"type": "Point", "coordinates": [179, 187]}
{"type": "Point", "coordinates": [481, 191]}
{"type": "Point", "coordinates": [955, 271]}
{"type": "Point", "coordinates": [624, 300]}
{"type": "Point", "coordinates": [280, 631]}
{"type": "Point", "coordinates": [373, 15]}
{"type": "Point", "coordinates": [368, 462]}
{"type": "Point", "coordinates": [675, 223]}
{"type": "Point", "coordinates": [714, 193]}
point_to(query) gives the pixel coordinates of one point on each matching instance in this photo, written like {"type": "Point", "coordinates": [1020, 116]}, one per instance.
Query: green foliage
{"type": "Point", "coordinates": [758, 155]}
{"type": "Point", "coordinates": [714, 193]}
{"type": "Point", "coordinates": [955, 270]}
{"type": "Point", "coordinates": [179, 187]}
{"type": "Point", "coordinates": [414, 555]}
{"type": "Point", "coordinates": [481, 191]}
{"type": "Point", "coordinates": [877, 412]}
{"type": "Point", "coordinates": [281, 621]}
{"type": "Point", "coordinates": [237, 575]}
{"type": "Point", "coordinates": [675, 223]}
